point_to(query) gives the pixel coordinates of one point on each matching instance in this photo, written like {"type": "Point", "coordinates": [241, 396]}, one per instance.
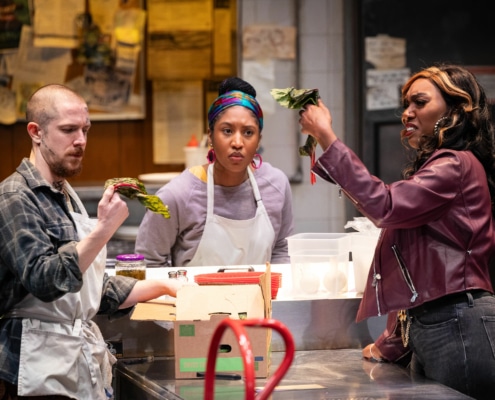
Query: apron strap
{"type": "Point", "coordinates": [254, 185]}
{"type": "Point", "coordinates": [210, 185]}
{"type": "Point", "coordinates": [73, 195]}
{"type": "Point", "coordinates": [210, 192]}
{"type": "Point", "coordinates": [22, 313]}
{"type": "Point", "coordinates": [77, 327]}
{"type": "Point", "coordinates": [89, 360]}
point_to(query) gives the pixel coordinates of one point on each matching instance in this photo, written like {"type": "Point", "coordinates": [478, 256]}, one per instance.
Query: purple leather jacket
{"type": "Point", "coordinates": [437, 227]}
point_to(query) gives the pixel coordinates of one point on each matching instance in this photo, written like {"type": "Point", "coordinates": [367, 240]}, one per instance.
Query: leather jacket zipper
{"type": "Point", "coordinates": [405, 273]}
{"type": "Point", "coordinates": [376, 278]}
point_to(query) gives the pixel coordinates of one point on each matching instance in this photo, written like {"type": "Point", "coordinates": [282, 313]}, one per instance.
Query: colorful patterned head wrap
{"type": "Point", "coordinates": [234, 98]}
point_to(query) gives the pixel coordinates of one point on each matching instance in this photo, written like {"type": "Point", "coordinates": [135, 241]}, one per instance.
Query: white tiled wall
{"type": "Point", "coordinates": [320, 64]}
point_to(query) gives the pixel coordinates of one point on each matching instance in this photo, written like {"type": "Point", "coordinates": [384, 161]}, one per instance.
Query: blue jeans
{"type": "Point", "coordinates": [455, 345]}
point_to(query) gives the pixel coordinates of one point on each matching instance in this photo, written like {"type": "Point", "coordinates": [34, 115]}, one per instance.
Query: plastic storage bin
{"type": "Point", "coordinates": [363, 249]}
{"type": "Point", "coordinates": [319, 264]}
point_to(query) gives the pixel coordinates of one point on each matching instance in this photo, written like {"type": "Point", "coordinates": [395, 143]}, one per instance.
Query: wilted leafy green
{"type": "Point", "coordinates": [298, 98]}
{"type": "Point", "coordinates": [294, 99]}
{"type": "Point", "coordinates": [154, 203]}
{"type": "Point", "coordinates": [135, 189]}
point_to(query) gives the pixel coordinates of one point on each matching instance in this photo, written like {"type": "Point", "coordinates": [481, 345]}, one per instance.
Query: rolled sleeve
{"type": "Point", "coordinates": [116, 289]}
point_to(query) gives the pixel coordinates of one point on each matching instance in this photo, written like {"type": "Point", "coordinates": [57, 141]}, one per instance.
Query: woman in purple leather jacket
{"type": "Point", "coordinates": [430, 271]}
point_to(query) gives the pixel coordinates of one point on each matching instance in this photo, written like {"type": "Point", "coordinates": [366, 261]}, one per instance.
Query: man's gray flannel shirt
{"type": "Point", "coordinates": [38, 255]}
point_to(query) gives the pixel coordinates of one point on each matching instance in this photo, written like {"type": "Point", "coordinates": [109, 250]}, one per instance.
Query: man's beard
{"type": "Point", "coordinates": [58, 167]}
{"type": "Point", "coordinates": [62, 171]}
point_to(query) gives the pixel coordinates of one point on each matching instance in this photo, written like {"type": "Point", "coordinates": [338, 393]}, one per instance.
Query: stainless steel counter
{"type": "Point", "coordinates": [340, 374]}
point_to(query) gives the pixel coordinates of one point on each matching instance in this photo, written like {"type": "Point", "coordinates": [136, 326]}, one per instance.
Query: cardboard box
{"type": "Point", "coordinates": [196, 314]}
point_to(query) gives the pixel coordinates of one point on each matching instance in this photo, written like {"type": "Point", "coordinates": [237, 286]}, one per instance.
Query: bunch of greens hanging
{"type": "Point", "coordinates": [295, 99]}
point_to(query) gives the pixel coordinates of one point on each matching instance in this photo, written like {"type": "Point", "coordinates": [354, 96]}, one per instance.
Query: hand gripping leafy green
{"type": "Point", "coordinates": [295, 99]}
{"type": "Point", "coordinates": [134, 189]}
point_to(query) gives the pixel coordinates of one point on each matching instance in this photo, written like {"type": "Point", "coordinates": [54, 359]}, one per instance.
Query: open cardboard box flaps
{"type": "Point", "coordinates": [197, 312]}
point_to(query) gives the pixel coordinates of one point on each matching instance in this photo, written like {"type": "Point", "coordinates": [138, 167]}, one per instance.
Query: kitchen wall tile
{"type": "Point", "coordinates": [283, 157]}
{"type": "Point", "coordinates": [280, 128]}
{"type": "Point", "coordinates": [313, 17]}
{"type": "Point", "coordinates": [313, 53]}
{"type": "Point", "coordinates": [335, 52]}
{"type": "Point", "coordinates": [273, 11]}
{"type": "Point", "coordinates": [317, 208]}
{"type": "Point", "coordinates": [335, 20]}
{"type": "Point", "coordinates": [248, 12]}
{"type": "Point", "coordinates": [312, 225]}
{"type": "Point", "coordinates": [333, 93]}
{"type": "Point", "coordinates": [285, 71]}
{"type": "Point", "coordinates": [311, 200]}
{"type": "Point", "coordinates": [318, 80]}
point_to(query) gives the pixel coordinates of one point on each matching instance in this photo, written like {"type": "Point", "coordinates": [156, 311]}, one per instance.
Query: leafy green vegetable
{"type": "Point", "coordinates": [294, 99]}
{"type": "Point", "coordinates": [135, 189]}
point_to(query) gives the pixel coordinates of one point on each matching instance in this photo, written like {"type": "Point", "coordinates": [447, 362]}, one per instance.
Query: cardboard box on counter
{"type": "Point", "coordinates": [196, 314]}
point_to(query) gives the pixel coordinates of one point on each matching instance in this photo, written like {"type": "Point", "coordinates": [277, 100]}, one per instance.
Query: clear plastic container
{"type": "Point", "coordinates": [131, 265]}
{"type": "Point", "coordinates": [319, 264]}
{"type": "Point", "coordinates": [363, 250]}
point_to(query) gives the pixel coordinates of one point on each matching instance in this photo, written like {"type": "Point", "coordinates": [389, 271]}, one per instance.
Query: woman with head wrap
{"type": "Point", "coordinates": [234, 209]}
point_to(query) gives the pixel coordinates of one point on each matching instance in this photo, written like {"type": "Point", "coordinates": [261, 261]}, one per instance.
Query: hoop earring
{"type": "Point", "coordinates": [255, 164]}
{"type": "Point", "coordinates": [210, 156]}
{"type": "Point", "coordinates": [436, 129]}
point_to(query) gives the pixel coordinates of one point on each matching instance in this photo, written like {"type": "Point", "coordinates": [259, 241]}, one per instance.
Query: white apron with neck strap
{"type": "Point", "coordinates": [234, 242]}
{"type": "Point", "coordinates": [62, 350]}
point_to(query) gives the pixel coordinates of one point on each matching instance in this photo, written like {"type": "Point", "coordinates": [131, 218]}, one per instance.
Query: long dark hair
{"type": "Point", "coordinates": [467, 125]}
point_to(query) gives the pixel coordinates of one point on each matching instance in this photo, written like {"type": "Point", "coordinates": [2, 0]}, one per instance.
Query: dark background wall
{"type": "Point", "coordinates": [456, 31]}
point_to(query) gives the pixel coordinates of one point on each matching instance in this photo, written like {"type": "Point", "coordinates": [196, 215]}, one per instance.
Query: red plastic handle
{"type": "Point", "coordinates": [238, 327]}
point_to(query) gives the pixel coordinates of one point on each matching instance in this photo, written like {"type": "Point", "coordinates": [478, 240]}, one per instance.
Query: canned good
{"type": "Point", "coordinates": [131, 265]}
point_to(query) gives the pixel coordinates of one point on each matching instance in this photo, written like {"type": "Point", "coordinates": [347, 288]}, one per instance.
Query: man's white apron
{"type": "Point", "coordinates": [62, 350]}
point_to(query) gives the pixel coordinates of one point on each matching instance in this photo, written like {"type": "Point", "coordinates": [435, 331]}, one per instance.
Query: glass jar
{"type": "Point", "coordinates": [172, 274]}
{"type": "Point", "coordinates": [182, 275]}
{"type": "Point", "coordinates": [131, 265]}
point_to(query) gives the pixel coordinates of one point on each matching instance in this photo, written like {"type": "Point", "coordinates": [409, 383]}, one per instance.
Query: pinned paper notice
{"type": "Point", "coordinates": [261, 42]}
{"type": "Point", "coordinates": [386, 52]}
{"type": "Point", "coordinates": [383, 87]}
